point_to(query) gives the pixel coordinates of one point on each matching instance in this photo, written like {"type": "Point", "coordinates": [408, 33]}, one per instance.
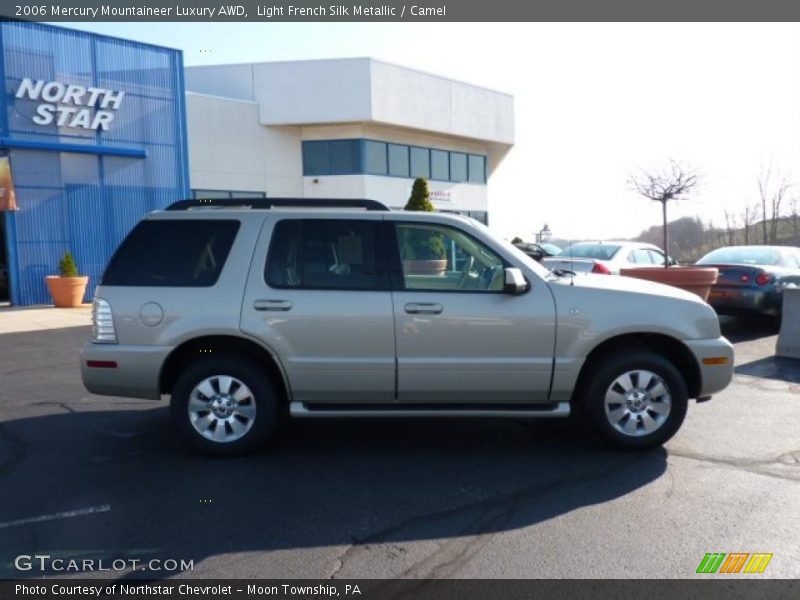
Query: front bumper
{"type": "Point", "coordinates": [717, 375]}
{"type": "Point", "coordinates": [129, 371]}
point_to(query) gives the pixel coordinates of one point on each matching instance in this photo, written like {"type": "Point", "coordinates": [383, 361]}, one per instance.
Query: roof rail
{"type": "Point", "coordinates": [277, 203]}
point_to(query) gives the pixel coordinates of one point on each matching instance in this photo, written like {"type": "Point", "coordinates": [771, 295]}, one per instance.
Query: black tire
{"type": "Point", "coordinates": [591, 403]}
{"type": "Point", "coordinates": [262, 394]}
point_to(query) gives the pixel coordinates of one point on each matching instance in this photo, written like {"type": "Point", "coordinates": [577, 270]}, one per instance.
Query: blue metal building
{"type": "Point", "coordinates": [95, 128]}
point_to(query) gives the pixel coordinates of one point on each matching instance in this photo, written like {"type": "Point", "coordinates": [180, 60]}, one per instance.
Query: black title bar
{"type": "Point", "coordinates": [394, 10]}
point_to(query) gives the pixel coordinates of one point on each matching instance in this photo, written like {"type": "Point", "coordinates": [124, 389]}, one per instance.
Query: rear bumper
{"type": "Point", "coordinates": [730, 300]}
{"type": "Point", "coordinates": [129, 371]}
{"type": "Point", "coordinates": [713, 377]}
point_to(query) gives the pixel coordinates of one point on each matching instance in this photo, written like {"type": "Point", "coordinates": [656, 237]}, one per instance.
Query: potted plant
{"type": "Point", "coordinates": [423, 250]}
{"type": "Point", "coordinates": [674, 183]}
{"type": "Point", "coordinates": [68, 287]}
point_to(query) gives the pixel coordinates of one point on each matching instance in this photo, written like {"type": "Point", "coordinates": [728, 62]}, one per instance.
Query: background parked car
{"type": "Point", "coordinates": [538, 251]}
{"type": "Point", "coordinates": [606, 257]}
{"type": "Point", "coordinates": [752, 278]}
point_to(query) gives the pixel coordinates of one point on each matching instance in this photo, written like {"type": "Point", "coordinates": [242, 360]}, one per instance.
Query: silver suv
{"type": "Point", "coordinates": [346, 309]}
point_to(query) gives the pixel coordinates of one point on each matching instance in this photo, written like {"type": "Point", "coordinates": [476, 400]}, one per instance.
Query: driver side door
{"type": "Point", "coordinates": [460, 338]}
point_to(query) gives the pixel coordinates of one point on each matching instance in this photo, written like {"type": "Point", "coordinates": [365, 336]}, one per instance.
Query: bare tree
{"type": "Point", "coordinates": [673, 183]}
{"type": "Point", "coordinates": [749, 217]}
{"type": "Point", "coordinates": [730, 226]}
{"type": "Point", "coordinates": [793, 213]}
{"type": "Point", "coordinates": [772, 189]}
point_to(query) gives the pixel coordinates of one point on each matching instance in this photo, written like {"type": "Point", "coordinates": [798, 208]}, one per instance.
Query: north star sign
{"type": "Point", "coordinates": [70, 105]}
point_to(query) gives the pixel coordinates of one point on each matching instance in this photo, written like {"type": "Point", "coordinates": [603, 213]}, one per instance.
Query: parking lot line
{"type": "Point", "coordinates": [62, 515]}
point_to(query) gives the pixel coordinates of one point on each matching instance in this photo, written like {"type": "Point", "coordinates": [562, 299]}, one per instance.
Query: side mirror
{"type": "Point", "coordinates": [515, 282]}
{"type": "Point", "coordinates": [672, 262]}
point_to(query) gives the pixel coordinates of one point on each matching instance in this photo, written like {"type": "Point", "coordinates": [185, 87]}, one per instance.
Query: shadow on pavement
{"type": "Point", "coordinates": [320, 483]}
{"type": "Point", "coordinates": [772, 367]}
{"type": "Point", "coordinates": [745, 329]}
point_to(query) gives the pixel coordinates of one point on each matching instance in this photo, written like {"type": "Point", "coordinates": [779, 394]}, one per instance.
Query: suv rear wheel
{"type": "Point", "coordinates": [224, 406]}
{"type": "Point", "coordinates": [634, 399]}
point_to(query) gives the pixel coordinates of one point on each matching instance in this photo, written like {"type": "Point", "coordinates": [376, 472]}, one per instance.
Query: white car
{"type": "Point", "coordinates": [606, 257]}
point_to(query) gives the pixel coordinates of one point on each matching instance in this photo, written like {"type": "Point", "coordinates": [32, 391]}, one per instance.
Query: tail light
{"type": "Point", "coordinates": [601, 268]}
{"type": "Point", "coordinates": [763, 279]}
{"type": "Point", "coordinates": [744, 278]}
{"type": "Point", "coordinates": [103, 331]}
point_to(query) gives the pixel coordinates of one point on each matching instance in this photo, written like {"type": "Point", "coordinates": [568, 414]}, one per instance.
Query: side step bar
{"type": "Point", "coordinates": [303, 410]}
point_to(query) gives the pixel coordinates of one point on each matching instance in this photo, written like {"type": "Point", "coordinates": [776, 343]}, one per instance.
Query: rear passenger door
{"type": "Point", "coordinates": [318, 295]}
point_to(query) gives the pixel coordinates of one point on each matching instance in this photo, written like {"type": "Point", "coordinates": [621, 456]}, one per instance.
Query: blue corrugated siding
{"type": "Point", "coordinates": [87, 203]}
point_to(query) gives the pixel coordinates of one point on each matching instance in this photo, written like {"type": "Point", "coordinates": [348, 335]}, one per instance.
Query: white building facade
{"type": "Point", "coordinates": [344, 128]}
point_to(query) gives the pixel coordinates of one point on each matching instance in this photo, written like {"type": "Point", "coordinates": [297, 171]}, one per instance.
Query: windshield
{"type": "Point", "coordinates": [742, 255]}
{"type": "Point", "coordinates": [591, 250]}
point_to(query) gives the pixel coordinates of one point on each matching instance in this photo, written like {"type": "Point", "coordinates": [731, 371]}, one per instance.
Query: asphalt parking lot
{"type": "Point", "coordinates": [91, 477]}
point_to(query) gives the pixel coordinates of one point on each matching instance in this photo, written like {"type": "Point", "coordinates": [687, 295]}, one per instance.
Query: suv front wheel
{"type": "Point", "coordinates": [634, 399]}
{"type": "Point", "coordinates": [224, 406]}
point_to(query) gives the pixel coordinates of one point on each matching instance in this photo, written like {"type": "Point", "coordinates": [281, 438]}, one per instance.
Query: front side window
{"type": "Point", "coordinates": [656, 257]}
{"type": "Point", "coordinates": [325, 254]}
{"type": "Point", "coordinates": [172, 253]}
{"type": "Point", "coordinates": [436, 258]}
{"type": "Point", "coordinates": [640, 256]}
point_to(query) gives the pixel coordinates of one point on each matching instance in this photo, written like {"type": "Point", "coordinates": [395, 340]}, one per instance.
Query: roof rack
{"type": "Point", "coordinates": [277, 203]}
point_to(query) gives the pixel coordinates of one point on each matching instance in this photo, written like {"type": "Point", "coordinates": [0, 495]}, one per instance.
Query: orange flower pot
{"type": "Point", "coordinates": [697, 280]}
{"type": "Point", "coordinates": [67, 292]}
{"type": "Point", "coordinates": [425, 267]}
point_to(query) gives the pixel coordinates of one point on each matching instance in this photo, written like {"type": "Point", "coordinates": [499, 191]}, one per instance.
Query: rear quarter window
{"type": "Point", "coordinates": [172, 253]}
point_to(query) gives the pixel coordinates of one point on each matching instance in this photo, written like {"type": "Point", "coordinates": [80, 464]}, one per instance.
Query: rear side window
{"type": "Point", "coordinates": [172, 253]}
{"type": "Point", "coordinates": [325, 254]}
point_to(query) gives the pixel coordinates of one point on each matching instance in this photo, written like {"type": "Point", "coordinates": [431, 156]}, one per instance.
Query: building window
{"type": "Point", "coordinates": [371, 157]}
{"type": "Point", "coordinates": [458, 166]}
{"type": "Point", "coordinates": [440, 165]}
{"type": "Point", "coordinates": [316, 158]}
{"type": "Point", "coordinates": [375, 158]}
{"type": "Point", "coordinates": [344, 157]}
{"type": "Point", "coordinates": [477, 169]}
{"type": "Point", "coordinates": [398, 160]}
{"type": "Point", "coordinates": [420, 162]}
{"type": "Point", "coordinates": [334, 157]}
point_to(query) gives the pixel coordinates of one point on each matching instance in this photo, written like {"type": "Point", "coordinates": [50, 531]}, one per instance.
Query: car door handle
{"type": "Point", "coordinates": [272, 305]}
{"type": "Point", "coordinates": [423, 308]}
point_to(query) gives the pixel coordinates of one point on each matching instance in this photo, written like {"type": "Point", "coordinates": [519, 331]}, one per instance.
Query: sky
{"type": "Point", "coordinates": [594, 104]}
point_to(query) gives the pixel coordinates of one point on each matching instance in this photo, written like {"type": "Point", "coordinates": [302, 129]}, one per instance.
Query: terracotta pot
{"type": "Point", "coordinates": [697, 280]}
{"type": "Point", "coordinates": [67, 292]}
{"type": "Point", "coordinates": [425, 267]}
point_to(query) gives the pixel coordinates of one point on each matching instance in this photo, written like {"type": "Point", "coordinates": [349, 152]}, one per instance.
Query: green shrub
{"type": "Point", "coordinates": [420, 199]}
{"type": "Point", "coordinates": [67, 267]}
{"type": "Point", "coordinates": [421, 244]}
